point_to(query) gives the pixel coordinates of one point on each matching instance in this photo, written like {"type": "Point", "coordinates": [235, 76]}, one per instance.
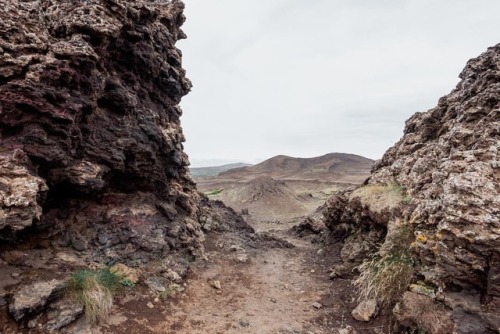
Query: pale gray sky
{"type": "Point", "coordinates": [309, 77]}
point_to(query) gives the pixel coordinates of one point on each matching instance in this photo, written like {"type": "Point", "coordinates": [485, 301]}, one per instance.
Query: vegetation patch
{"type": "Point", "coordinates": [214, 192]}
{"type": "Point", "coordinates": [389, 273]}
{"type": "Point", "coordinates": [385, 278]}
{"type": "Point", "coordinates": [379, 197]}
{"type": "Point", "coordinates": [95, 289]}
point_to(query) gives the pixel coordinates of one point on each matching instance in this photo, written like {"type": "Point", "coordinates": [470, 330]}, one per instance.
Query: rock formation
{"type": "Point", "coordinates": [90, 138]}
{"type": "Point", "coordinates": [92, 168]}
{"type": "Point", "coordinates": [440, 183]}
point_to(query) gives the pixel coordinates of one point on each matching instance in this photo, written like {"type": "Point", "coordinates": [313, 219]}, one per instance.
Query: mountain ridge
{"type": "Point", "coordinates": [327, 165]}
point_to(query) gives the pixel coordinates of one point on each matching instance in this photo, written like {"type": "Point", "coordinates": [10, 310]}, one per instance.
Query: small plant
{"type": "Point", "coordinates": [127, 282]}
{"type": "Point", "coordinates": [214, 192]}
{"type": "Point", "coordinates": [395, 187]}
{"type": "Point", "coordinates": [171, 290]}
{"type": "Point", "coordinates": [94, 289]}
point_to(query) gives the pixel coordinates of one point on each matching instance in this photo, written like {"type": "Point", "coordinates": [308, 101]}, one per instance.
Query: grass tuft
{"type": "Point", "coordinates": [94, 289]}
{"type": "Point", "coordinates": [389, 273]}
{"type": "Point", "coordinates": [385, 278]}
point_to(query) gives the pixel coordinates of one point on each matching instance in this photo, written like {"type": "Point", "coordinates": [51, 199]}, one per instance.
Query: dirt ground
{"type": "Point", "coordinates": [264, 288]}
{"type": "Point", "coordinates": [272, 281]}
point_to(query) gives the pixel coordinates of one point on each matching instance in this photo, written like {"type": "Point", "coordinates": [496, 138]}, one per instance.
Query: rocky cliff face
{"type": "Point", "coordinates": [91, 151]}
{"type": "Point", "coordinates": [441, 182]}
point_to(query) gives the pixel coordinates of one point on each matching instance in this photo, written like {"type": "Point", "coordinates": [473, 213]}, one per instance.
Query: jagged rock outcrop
{"type": "Point", "coordinates": [92, 167]}
{"type": "Point", "coordinates": [442, 181]}
{"type": "Point", "coordinates": [91, 143]}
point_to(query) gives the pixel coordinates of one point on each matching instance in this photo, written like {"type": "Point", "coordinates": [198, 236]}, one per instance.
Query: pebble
{"type": "Point", "coordinates": [244, 323]}
{"type": "Point", "coordinates": [317, 305]}
{"type": "Point", "coordinates": [216, 285]}
{"type": "Point", "coordinates": [272, 300]}
{"type": "Point", "coordinates": [150, 305]}
{"type": "Point", "coordinates": [243, 258]}
{"type": "Point", "coordinates": [334, 274]}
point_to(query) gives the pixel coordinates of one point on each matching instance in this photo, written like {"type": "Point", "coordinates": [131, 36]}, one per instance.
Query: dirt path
{"type": "Point", "coordinates": [274, 292]}
{"type": "Point", "coordinates": [265, 288]}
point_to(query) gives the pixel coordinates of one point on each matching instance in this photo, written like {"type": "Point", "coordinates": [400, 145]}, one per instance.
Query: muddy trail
{"type": "Point", "coordinates": [272, 282]}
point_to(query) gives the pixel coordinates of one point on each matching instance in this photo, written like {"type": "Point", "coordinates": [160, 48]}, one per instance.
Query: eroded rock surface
{"type": "Point", "coordinates": [92, 167]}
{"type": "Point", "coordinates": [446, 172]}
{"type": "Point", "coordinates": [31, 298]}
{"type": "Point", "coordinates": [89, 126]}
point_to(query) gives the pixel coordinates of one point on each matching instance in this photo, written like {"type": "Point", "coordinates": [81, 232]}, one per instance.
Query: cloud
{"type": "Point", "coordinates": [305, 78]}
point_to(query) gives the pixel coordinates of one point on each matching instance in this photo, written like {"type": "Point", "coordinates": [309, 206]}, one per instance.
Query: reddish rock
{"type": "Point", "coordinates": [90, 138]}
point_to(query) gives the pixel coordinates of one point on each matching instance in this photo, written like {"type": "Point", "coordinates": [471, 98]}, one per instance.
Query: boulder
{"type": "Point", "coordinates": [31, 299]}
{"type": "Point", "coordinates": [365, 311]}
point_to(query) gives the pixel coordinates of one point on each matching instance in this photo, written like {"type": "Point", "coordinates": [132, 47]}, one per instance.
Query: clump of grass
{"type": "Point", "coordinates": [380, 197]}
{"type": "Point", "coordinates": [385, 278]}
{"type": "Point", "coordinates": [389, 273]}
{"type": "Point", "coordinates": [94, 289]}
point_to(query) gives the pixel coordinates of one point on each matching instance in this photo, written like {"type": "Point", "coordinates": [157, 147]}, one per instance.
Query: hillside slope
{"type": "Point", "coordinates": [198, 172]}
{"type": "Point", "coordinates": [338, 166]}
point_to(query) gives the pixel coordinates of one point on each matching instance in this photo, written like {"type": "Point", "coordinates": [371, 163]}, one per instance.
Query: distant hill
{"type": "Point", "coordinates": [284, 188]}
{"type": "Point", "coordinates": [332, 165]}
{"type": "Point", "coordinates": [199, 172]}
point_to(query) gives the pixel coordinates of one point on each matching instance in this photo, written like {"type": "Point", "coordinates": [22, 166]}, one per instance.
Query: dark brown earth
{"type": "Point", "coordinates": [269, 284]}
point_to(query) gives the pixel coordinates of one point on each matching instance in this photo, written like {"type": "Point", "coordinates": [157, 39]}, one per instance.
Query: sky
{"type": "Point", "coordinates": [308, 77]}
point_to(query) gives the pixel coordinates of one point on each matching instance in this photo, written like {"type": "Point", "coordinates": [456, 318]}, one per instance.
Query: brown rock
{"type": "Point", "coordinates": [32, 298]}
{"type": "Point", "coordinates": [126, 272]}
{"type": "Point", "coordinates": [416, 310]}
{"type": "Point", "coordinates": [216, 284]}
{"type": "Point", "coordinates": [365, 311]}
{"type": "Point", "coordinates": [63, 313]}
{"type": "Point", "coordinates": [89, 100]}
{"type": "Point", "coordinates": [19, 190]}
{"type": "Point", "coordinates": [347, 330]}
{"type": "Point", "coordinates": [441, 181]}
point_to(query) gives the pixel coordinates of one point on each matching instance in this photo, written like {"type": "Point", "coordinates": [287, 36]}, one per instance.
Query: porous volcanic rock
{"type": "Point", "coordinates": [446, 169]}
{"type": "Point", "coordinates": [91, 147]}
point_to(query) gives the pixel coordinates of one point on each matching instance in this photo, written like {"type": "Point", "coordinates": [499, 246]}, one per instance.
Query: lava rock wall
{"type": "Point", "coordinates": [91, 150]}
{"type": "Point", "coordinates": [447, 169]}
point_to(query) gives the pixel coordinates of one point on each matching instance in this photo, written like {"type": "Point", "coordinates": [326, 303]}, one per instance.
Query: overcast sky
{"type": "Point", "coordinates": [309, 77]}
